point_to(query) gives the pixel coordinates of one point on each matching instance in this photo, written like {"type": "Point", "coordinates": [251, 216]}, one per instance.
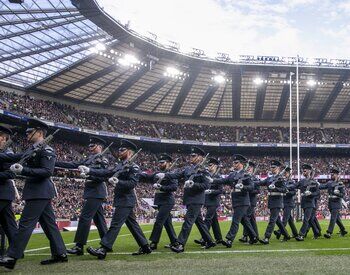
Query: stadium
{"type": "Point", "coordinates": [88, 87]}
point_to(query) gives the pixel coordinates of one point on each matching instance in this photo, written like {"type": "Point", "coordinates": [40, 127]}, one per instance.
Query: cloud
{"type": "Point", "coordinates": [258, 27]}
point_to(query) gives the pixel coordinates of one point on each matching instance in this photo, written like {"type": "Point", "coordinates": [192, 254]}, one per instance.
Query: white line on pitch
{"type": "Point", "coordinates": [229, 251]}
{"type": "Point", "coordinates": [89, 241]}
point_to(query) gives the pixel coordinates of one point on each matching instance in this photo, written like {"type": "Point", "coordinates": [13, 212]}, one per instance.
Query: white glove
{"type": "Point", "coordinates": [189, 183]}
{"type": "Point", "coordinates": [272, 186]}
{"type": "Point", "coordinates": [83, 169]}
{"type": "Point", "coordinates": [83, 175]}
{"type": "Point", "coordinates": [336, 191]}
{"type": "Point", "coordinates": [113, 180]}
{"type": "Point", "coordinates": [207, 192]}
{"type": "Point", "coordinates": [160, 176]}
{"type": "Point", "coordinates": [157, 186]}
{"type": "Point", "coordinates": [16, 168]}
{"type": "Point", "coordinates": [210, 179]}
{"type": "Point", "coordinates": [239, 186]}
{"type": "Point", "coordinates": [307, 193]}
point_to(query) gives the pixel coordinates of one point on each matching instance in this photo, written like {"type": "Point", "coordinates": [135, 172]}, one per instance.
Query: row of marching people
{"type": "Point", "coordinates": [203, 185]}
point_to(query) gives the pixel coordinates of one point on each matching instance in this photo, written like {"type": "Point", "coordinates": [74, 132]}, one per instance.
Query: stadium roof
{"type": "Point", "coordinates": [74, 50]}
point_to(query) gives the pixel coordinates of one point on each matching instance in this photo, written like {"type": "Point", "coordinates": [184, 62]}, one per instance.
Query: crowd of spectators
{"type": "Point", "coordinates": [57, 112]}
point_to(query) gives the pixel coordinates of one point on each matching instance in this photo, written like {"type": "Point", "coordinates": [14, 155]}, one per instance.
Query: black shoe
{"type": "Point", "coordinates": [55, 259]}
{"type": "Point", "coordinates": [178, 248]}
{"type": "Point", "coordinates": [315, 237]}
{"type": "Point", "coordinates": [228, 243]}
{"type": "Point", "coordinates": [220, 242]}
{"type": "Point", "coordinates": [200, 242]}
{"type": "Point", "coordinates": [100, 253]}
{"type": "Point", "coordinates": [285, 238]}
{"type": "Point", "coordinates": [277, 234]}
{"type": "Point", "coordinates": [254, 240]}
{"type": "Point", "coordinates": [8, 262]}
{"type": "Point", "coordinates": [143, 250]}
{"type": "Point", "coordinates": [294, 236]}
{"type": "Point", "coordinates": [244, 239]}
{"type": "Point", "coordinates": [171, 244]}
{"type": "Point", "coordinates": [209, 245]}
{"type": "Point", "coordinates": [299, 238]}
{"type": "Point", "coordinates": [264, 241]}
{"type": "Point", "coordinates": [76, 250]}
{"type": "Point", "coordinates": [343, 233]}
{"type": "Point", "coordinates": [153, 246]}
{"type": "Point", "coordinates": [327, 235]}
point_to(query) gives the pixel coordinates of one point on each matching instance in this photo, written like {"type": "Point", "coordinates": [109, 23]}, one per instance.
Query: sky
{"type": "Point", "coordinates": [310, 28]}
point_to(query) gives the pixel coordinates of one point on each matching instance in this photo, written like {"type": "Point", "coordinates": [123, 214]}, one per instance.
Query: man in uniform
{"type": "Point", "coordinates": [336, 192]}
{"type": "Point", "coordinates": [125, 177]}
{"type": "Point", "coordinates": [288, 205]}
{"type": "Point", "coordinates": [7, 189]}
{"type": "Point", "coordinates": [309, 190]}
{"type": "Point", "coordinates": [242, 184]}
{"type": "Point", "coordinates": [212, 202]}
{"type": "Point", "coordinates": [95, 193]}
{"type": "Point", "coordinates": [164, 200]}
{"type": "Point", "coordinates": [197, 180]}
{"type": "Point", "coordinates": [253, 202]}
{"type": "Point", "coordinates": [38, 192]}
{"type": "Point", "coordinates": [276, 189]}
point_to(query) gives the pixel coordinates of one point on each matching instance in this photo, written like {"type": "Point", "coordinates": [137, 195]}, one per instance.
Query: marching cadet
{"type": "Point", "coordinates": [164, 200]}
{"type": "Point", "coordinates": [95, 193]}
{"type": "Point", "coordinates": [336, 191]}
{"type": "Point", "coordinates": [125, 177]}
{"type": "Point", "coordinates": [197, 180]}
{"type": "Point", "coordinates": [253, 194]}
{"type": "Point", "coordinates": [242, 184]}
{"type": "Point", "coordinates": [288, 205]}
{"type": "Point", "coordinates": [276, 189]}
{"type": "Point", "coordinates": [38, 192]}
{"type": "Point", "coordinates": [212, 202]}
{"type": "Point", "coordinates": [7, 189]}
{"type": "Point", "coordinates": [309, 191]}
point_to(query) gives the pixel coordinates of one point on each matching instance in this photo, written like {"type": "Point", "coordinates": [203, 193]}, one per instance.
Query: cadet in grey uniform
{"type": "Point", "coordinates": [197, 180]}
{"type": "Point", "coordinates": [276, 190]}
{"type": "Point", "coordinates": [38, 192]}
{"type": "Point", "coordinates": [95, 193]}
{"type": "Point", "coordinates": [125, 177]}
{"type": "Point", "coordinates": [7, 189]}
{"type": "Point", "coordinates": [164, 200]}
{"type": "Point", "coordinates": [253, 194]}
{"type": "Point", "coordinates": [288, 205]}
{"type": "Point", "coordinates": [212, 202]}
{"type": "Point", "coordinates": [242, 185]}
{"type": "Point", "coordinates": [309, 191]}
{"type": "Point", "coordinates": [336, 192]}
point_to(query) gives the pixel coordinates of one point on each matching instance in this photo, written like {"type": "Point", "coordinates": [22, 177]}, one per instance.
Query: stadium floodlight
{"type": "Point", "coordinates": [171, 71]}
{"type": "Point", "coordinates": [258, 81]}
{"type": "Point", "coordinates": [128, 60]}
{"type": "Point", "coordinates": [219, 79]}
{"type": "Point", "coordinates": [100, 47]}
{"type": "Point", "coordinates": [311, 83]}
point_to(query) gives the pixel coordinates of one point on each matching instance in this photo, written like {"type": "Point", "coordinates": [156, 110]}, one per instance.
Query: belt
{"type": "Point", "coordinates": [333, 197]}
{"type": "Point", "coordinates": [275, 194]}
{"type": "Point", "coordinates": [236, 190]}
{"type": "Point", "coordinates": [159, 192]}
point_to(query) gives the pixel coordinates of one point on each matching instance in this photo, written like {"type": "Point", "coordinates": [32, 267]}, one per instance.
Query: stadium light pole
{"type": "Point", "coordinates": [290, 123]}
{"type": "Point", "coordinates": [298, 122]}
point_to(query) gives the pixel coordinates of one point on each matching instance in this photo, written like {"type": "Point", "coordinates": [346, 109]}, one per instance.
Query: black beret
{"type": "Point", "coordinates": [306, 166]}
{"type": "Point", "coordinates": [197, 150]}
{"type": "Point", "coordinates": [275, 163]}
{"type": "Point", "coordinates": [213, 161]}
{"type": "Point", "coordinates": [287, 169]}
{"type": "Point", "coordinates": [128, 145]}
{"type": "Point", "coordinates": [165, 157]}
{"type": "Point", "coordinates": [251, 163]}
{"type": "Point", "coordinates": [335, 170]}
{"type": "Point", "coordinates": [5, 130]}
{"type": "Point", "coordinates": [240, 158]}
{"type": "Point", "coordinates": [36, 124]}
{"type": "Point", "coordinates": [97, 140]}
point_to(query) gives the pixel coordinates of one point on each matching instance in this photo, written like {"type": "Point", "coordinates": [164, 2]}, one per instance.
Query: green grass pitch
{"type": "Point", "coordinates": [308, 257]}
